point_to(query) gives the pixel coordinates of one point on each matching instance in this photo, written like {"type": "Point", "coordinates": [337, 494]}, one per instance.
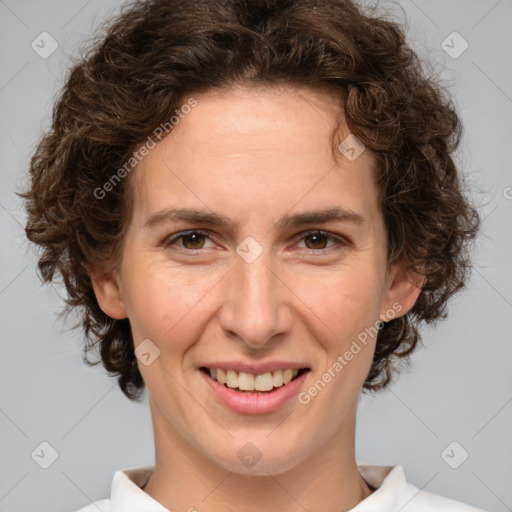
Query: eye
{"type": "Point", "coordinates": [316, 240]}
{"type": "Point", "coordinates": [192, 240]}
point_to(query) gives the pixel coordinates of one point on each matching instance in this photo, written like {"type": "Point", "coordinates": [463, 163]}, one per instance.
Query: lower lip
{"type": "Point", "coordinates": [255, 403]}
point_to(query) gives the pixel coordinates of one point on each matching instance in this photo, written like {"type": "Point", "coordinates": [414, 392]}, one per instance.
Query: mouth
{"type": "Point", "coordinates": [245, 382]}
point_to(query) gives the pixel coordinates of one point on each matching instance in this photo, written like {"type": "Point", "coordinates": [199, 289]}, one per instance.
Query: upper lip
{"type": "Point", "coordinates": [255, 368]}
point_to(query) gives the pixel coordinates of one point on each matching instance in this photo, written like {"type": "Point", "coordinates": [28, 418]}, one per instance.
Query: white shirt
{"type": "Point", "coordinates": [393, 494]}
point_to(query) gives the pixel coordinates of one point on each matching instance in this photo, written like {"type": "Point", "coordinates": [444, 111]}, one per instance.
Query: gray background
{"type": "Point", "coordinates": [459, 387]}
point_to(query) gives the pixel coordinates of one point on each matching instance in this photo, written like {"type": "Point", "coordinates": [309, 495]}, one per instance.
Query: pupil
{"type": "Point", "coordinates": [191, 236]}
{"type": "Point", "coordinates": [316, 236]}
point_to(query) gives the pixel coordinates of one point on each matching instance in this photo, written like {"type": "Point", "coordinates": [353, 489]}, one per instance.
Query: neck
{"type": "Point", "coordinates": [184, 479]}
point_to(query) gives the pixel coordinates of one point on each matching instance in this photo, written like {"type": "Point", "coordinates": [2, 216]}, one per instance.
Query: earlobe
{"type": "Point", "coordinates": [108, 294]}
{"type": "Point", "coordinates": [404, 288]}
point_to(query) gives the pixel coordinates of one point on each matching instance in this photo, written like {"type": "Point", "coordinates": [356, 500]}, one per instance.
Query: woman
{"type": "Point", "coordinates": [254, 205]}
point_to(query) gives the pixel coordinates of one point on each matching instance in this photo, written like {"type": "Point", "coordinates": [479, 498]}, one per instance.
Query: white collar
{"type": "Point", "coordinates": [126, 494]}
{"type": "Point", "coordinates": [390, 481]}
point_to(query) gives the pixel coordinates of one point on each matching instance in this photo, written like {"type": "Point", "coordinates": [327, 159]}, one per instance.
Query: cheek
{"type": "Point", "coordinates": [344, 301]}
{"type": "Point", "coordinates": [161, 299]}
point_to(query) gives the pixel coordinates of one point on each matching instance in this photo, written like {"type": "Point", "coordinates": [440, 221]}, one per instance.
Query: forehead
{"type": "Point", "coordinates": [246, 147]}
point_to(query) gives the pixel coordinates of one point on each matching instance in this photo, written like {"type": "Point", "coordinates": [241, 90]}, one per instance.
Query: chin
{"type": "Point", "coordinates": [248, 460]}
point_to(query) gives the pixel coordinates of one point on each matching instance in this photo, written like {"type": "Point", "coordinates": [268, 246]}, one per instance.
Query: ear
{"type": "Point", "coordinates": [403, 288]}
{"type": "Point", "coordinates": [108, 293]}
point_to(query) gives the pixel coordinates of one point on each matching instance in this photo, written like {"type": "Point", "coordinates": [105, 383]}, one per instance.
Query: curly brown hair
{"type": "Point", "coordinates": [155, 53]}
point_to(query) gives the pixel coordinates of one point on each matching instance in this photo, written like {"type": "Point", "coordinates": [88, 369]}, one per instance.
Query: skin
{"type": "Point", "coordinates": [254, 154]}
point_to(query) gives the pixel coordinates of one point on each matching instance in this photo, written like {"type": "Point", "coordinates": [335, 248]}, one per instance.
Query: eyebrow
{"type": "Point", "coordinates": [215, 219]}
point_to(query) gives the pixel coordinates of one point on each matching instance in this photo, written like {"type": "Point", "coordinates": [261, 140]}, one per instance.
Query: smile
{"type": "Point", "coordinates": [247, 382]}
{"type": "Point", "coordinates": [254, 401]}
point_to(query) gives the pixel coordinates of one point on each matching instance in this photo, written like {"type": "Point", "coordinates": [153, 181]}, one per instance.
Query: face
{"type": "Point", "coordinates": [267, 286]}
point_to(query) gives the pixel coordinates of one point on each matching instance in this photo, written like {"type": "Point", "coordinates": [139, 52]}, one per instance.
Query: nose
{"type": "Point", "coordinates": [256, 304]}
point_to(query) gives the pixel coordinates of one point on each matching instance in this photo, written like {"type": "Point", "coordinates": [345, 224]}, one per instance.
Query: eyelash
{"type": "Point", "coordinates": [168, 242]}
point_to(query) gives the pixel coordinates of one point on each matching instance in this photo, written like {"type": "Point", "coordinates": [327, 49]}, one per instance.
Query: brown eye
{"type": "Point", "coordinates": [194, 239]}
{"type": "Point", "coordinates": [317, 240]}
{"type": "Point", "coordinates": [191, 240]}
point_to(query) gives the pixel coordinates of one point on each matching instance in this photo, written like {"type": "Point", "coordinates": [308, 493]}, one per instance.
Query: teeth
{"type": "Point", "coordinates": [221, 376]}
{"type": "Point", "coordinates": [277, 379]}
{"type": "Point", "coordinates": [245, 381]}
{"type": "Point", "coordinates": [249, 382]}
{"type": "Point", "coordinates": [231, 379]}
{"type": "Point", "coordinates": [263, 382]}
